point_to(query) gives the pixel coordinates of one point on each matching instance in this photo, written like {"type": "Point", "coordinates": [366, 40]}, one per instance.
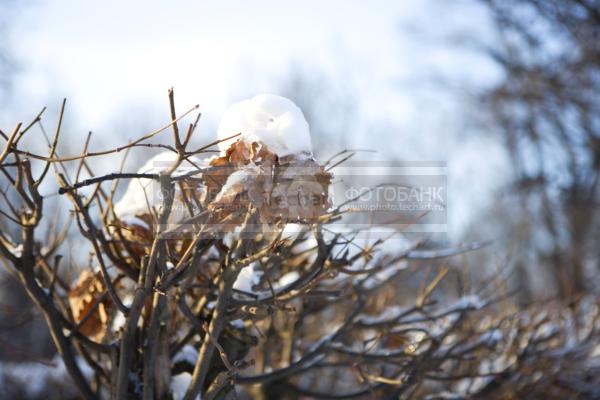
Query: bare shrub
{"type": "Point", "coordinates": [326, 316]}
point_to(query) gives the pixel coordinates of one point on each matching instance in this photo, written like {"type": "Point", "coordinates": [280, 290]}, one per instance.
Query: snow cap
{"type": "Point", "coordinates": [273, 120]}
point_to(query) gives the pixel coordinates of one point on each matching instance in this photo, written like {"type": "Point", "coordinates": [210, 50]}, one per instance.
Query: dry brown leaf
{"type": "Point", "coordinates": [89, 291]}
{"type": "Point", "coordinates": [289, 189]}
{"type": "Point", "coordinates": [134, 236]}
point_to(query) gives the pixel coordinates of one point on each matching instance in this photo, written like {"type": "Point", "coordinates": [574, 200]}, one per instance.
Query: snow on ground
{"type": "Point", "coordinates": [34, 378]}
{"type": "Point", "coordinates": [274, 120]}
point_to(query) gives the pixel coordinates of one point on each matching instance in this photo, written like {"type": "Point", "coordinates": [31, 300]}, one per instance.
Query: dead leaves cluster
{"type": "Point", "coordinates": [293, 188]}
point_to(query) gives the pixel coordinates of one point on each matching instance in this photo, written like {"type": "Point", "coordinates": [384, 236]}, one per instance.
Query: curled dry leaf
{"type": "Point", "coordinates": [287, 189]}
{"type": "Point", "coordinates": [136, 233]}
{"type": "Point", "coordinates": [90, 304]}
{"type": "Point", "coordinates": [300, 190]}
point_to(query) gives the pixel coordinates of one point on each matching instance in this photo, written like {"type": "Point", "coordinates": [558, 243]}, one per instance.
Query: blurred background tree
{"type": "Point", "coordinates": [546, 111]}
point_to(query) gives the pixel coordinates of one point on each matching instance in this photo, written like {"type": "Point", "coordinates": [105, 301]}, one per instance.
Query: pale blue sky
{"type": "Point", "coordinates": [103, 55]}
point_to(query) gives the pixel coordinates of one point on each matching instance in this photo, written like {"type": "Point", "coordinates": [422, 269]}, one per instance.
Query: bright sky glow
{"type": "Point", "coordinates": [115, 60]}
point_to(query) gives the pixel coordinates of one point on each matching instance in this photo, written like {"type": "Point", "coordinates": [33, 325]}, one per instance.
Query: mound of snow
{"type": "Point", "coordinates": [270, 119]}
{"type": "Point", "coordinates": [143, 193]}
{"type": "Point", "coordinates": [248, 277]}
{"type": "Point", "coordinates": [286, 280]}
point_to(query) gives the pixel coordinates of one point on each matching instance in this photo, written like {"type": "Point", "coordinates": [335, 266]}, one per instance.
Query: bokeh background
{"type": "Point", "coordinates": [504, 92]}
